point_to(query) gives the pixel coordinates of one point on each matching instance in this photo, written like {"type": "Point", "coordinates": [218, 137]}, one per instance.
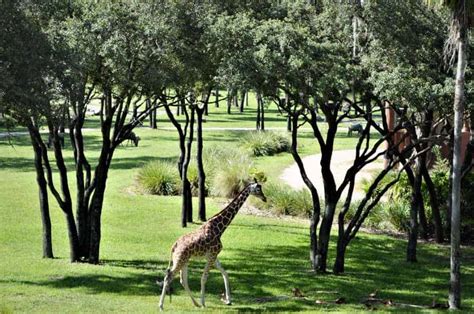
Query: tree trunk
{"type": "Point", "coordinates": [44, 202]}
{"type": "Point", "coordinates": [235, 98]}
{"type": "Point", "coordinates": [340, 257]}
{"type": "Point", "coordinates": [315, 216]}
{"type": "Point", "coordinates": [186, 187]}
{"type": "Point", "coordinates": [95, 223]}
{"type": "Point", "coordinates": [229, 100]}
{"type": "Point", "coordinates": [258, 112]}
{"type": "Point", "coordinates": [82, 198]}
{"type": "Point", "coordinates": [324, 236]}
{"type": "Point", "coordinates": [153, 116]}
{"type": "Point", "coordinates": [187, 206]}
{"type": "Point", "coordinates": [455, 274]}
{"type": "Point", "coordinates": [200, 166]}
{"type": "Point", "coordinates": [414, 210]}
{"type": "Point", "coordinates": [242, 100]}
{"type": "Point", "coordinates": [421, 204]}
{"type": "Point", "coordinates": [217, 97]}
{"type": "Point", "coordinates": [66, 204]}
{"type": "Point", "coordinates": [437, 222]}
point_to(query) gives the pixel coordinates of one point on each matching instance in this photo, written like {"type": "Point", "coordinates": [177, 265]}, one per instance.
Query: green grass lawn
{"type": "Point", "coordinates": [265, 257]}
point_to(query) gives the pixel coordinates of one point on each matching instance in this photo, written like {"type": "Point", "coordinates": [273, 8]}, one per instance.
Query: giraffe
{"type": "Point", "coordinates": [205, 242]}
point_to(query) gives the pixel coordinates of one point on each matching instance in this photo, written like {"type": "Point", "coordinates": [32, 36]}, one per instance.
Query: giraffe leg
{"type": "Point", "coordinates": [205, 274]}
{"type": "Point", "coordinates": [184, 282]}
{"type": "Point", "coordinates": [227, 300]}
{"type": "Point", "coordinates": [166, 284]}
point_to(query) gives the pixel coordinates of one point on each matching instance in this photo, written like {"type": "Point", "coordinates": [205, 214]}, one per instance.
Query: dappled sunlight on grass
{"type": "Point", "coordinates": [265, 257]}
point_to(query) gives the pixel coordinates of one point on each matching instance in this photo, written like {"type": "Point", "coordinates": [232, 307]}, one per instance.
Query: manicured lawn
{"type": "Point", "coordinates": [265, 257]}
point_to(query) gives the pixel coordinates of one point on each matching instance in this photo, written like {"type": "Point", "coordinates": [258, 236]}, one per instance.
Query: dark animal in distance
{"type": "Point", "coordinates": [357, 127]}
{"type": "Point", "coordinates": [132, 138]}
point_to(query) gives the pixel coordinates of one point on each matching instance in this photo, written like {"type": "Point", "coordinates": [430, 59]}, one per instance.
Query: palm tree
{"type": "Point", "coordinates": [461, 21]}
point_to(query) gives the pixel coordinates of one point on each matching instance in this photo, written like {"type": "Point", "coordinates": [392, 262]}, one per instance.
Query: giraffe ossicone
{"type": "Point", "coordinates": [205, 242]}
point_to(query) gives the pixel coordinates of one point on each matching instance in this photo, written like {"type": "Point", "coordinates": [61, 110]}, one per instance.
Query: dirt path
{"type": "Point", "coordinates": [341, 161]}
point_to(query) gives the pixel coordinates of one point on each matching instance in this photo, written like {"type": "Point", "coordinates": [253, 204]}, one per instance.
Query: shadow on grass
{"type": "Point", "coordinates": [373, 264]}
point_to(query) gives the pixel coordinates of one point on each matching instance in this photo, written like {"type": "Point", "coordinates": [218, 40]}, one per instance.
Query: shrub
{"type": "Point", "coordinates": [231, 178]}
{"type": "Point", "coordinates": [160, 178]}
{"type": "Point", "coordinates": [378, 217]}
{"type": "Point", "coordinates": [399, 215]}
{"type": "Point", "coordinates": [265, 143]}
{"type": "Point", "coordinates": [228, 170]}
{"type": "Point", "coordinates": [283, 200]}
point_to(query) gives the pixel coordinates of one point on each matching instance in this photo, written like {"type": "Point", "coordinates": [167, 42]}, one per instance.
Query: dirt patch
{"type": "Point", "coordinates": [341, 161]}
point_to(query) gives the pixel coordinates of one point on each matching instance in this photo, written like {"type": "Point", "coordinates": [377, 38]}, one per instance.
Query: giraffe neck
{"type": "Point", "coordinates": [223, 219]}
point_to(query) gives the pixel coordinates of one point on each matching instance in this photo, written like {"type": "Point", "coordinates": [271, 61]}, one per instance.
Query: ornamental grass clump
{"type": "Point", "coordinates": [283, 200]}
{"type": "Point", "coordinates": [159, 178]}
{"type": "Point", "coordinates": [229, 171]}
{"type": "Point", "coordinates": [265, 143]}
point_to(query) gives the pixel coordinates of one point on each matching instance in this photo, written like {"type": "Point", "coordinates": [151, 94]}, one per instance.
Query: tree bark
{"type": "Point", "coordinates": [200, 167]}
{"type": "Point", "coordinates": [455, 272]}
{"type": "Point", "coordinates": [43, 200]}
{"type": "Point", "coordinates": [186, 186]}
{"type": "Point", "coordinates": [242, 100]}
{"type": "Point", "coordinates": [229, 100]}
{"type": "Point", "coordinates": [324, 237]}
{"type": "Point", "coordinates": [258, 125]}
{"type": "Point", "coordinates": [414, 210]}
{"type": "Point", "coordinates": [187, 206]}
{"type": "Point", "coordinates": [66, 204]}
{"type": "Point", "coordinates": [437, 222]}
{"type": "Point", "coordinates": [315, 215]}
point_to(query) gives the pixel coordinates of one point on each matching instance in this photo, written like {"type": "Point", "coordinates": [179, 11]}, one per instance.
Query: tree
{"type": "Point", "coordinates": [24, 90]}
{"type": "Point", "coordinates": [95, 48]}
{"type": "Point", "coordinates": [194, 59]}
{"type": "Point", "coordinates": [461, 22]}
{"type": "Point", "coordinates": [410, 78]}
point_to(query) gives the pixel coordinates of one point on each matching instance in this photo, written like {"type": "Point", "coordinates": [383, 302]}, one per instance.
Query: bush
{"type": "Point", "coordinates": [228, 170]}
{"type": "Point", "coordinates": [265, 143]}
{"type": "Point", "coordinates": [232, 176]}
{"type": "Point", "coordinates": [378, 217]}
{"type": "Point", "coordinates": [283, 200]}
{"type": "Point", "coordinates": [160, 178]}
{"type": "Point", "coordinates": [399, 215]}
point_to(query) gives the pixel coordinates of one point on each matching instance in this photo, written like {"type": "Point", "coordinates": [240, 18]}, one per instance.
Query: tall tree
{"type": "Point", "coordinates": [461, 22]}
{"type": "Point", "coordinates": [25, 65]}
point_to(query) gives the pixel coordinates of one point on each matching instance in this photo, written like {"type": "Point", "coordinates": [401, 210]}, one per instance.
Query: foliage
{"type": "Point", "coordinates": [404, 66]}
{"type": "Point", "coordinates": [7, 122]}
{"type": "Point", "coordinates": [265, 143]}
{"type": "Point", "coordinates": [379, 218]}
{"type": "Point", "coordinates": [159, 178]}
{"type": "Point", "coordinates": [228, 172]}
{"type": "Point", "coordinates": [397, 207]}
{"type": "Point", "coordinates": [284, 200]}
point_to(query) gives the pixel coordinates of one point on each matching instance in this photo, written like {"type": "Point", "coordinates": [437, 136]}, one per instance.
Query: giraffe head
{"type": "Point", "coordinates": [256, 190]}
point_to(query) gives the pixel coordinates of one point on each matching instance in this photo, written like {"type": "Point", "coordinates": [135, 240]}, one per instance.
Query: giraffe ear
{"type": "Point", "coordinates": [255, 180]}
